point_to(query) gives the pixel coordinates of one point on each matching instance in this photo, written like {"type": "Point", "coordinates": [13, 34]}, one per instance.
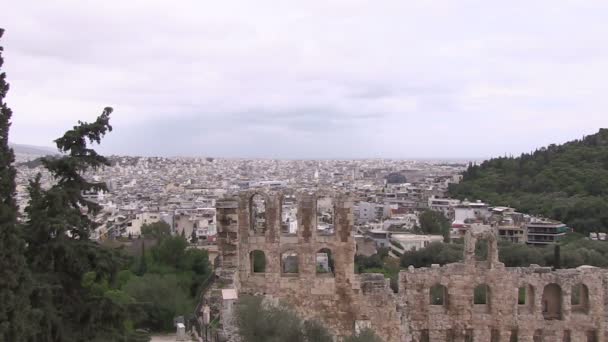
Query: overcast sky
{"type": "Point", "coordinates": [309, 79]}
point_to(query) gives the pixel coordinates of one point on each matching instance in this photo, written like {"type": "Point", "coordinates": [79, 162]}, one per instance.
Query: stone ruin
{"type": "Point", "coordinates": [312, 269]}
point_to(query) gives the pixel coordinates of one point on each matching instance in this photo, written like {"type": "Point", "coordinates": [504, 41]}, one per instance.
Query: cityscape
{"type": "Point", "coordinates": [320, 171]}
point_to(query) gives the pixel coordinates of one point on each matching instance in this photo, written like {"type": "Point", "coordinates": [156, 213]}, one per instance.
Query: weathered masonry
{"type": "Point", "coordinates": [299, 247]}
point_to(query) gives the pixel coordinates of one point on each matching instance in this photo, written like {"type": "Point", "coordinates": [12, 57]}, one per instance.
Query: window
{"type": "Point", "coordinates": [324, 262]}
{"type": "Point", "coordinates": [521, 296]}
{"type": "Point", "coordinates": [514, 336]}
{"type": "Point", "coordinates": [481, 295]}
{"type": "Point", "coordinates": [289, 215]}
{"type": "Point", "coordinates": [538, 336]}
{"type": "Point", "coordinates": [567, 337]}
{"type": "Point", "coordinates": [579, 298]}
{"type": "Point", "coordinates": [289, 262]}
{"type": "Point", "coordinates": [552, 302]}
{"type": "Point", "coordinates": [495, 335]}
{"type": "Point", "coordinates": [257, 207]}
{"type": "Point", "coordinates": [481, 249]}
{"type": "Point", "coordinates": [438, 295]}
{"type": "Point", "coordinates": [424, 336]}
{"type": "Point", "coordinates": [591, 336]}
{"type": "Point", "coordinates": [258, 261]}
{"type": "Point", "coordinates": [325, 216]}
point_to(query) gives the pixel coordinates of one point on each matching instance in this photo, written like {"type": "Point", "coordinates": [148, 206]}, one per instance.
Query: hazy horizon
{"type": "Point", "coordinates": [314, 80]}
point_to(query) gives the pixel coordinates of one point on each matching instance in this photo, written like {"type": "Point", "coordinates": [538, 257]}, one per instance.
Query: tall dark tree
{"type": "Point", "coordinates": [59, 251]}
{"type": "Point", "coordinates": [14, 276]}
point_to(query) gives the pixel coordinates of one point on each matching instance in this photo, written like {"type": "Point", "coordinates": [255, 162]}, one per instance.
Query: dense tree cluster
{"type": "Point", "coordinates": [434, 223]}
{"type": "Point", "coordinates": [260, 321]}
{"type": "Point", "coordinates": [566, 182]}
{"type": "Point", "coordinates": [573, 253]}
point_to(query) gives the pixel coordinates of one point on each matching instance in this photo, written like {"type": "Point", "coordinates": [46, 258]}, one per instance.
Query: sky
{"type": "Point", "coordinates": [309, 79]}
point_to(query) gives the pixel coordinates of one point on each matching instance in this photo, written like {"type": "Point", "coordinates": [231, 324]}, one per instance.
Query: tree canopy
{"type": "Point", "coordinates": [566, 182]}
{"type": "Point", "coordinates": [260, 321]}
{"type": "Point", "coordinates": [15, 281]}
{"type": "Point", "coordinates": [156, 230]}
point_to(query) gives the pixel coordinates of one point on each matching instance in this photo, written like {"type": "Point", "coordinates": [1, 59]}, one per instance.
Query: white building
{"type": "Point", "coordinates": [401, 243]}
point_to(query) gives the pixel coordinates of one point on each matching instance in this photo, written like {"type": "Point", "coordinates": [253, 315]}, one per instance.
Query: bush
{"type": "Point", "coordinates": [259, 321]}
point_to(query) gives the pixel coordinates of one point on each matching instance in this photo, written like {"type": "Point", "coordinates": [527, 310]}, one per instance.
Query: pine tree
{"type": "Point", "coordinates": [14, 275]}
{"type": "Point", "coordinates": [59, 251]}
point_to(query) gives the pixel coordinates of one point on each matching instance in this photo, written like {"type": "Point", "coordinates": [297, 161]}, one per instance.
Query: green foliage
{"type": "Point", "coordinates": [566, 182]}
{"type": "Point", "coordinates": [481, 294]}
{"type": "Point", "coordinates": [366, 335]}
{"type": "Point", "coordinates": [171, 251]}
{"type": "Point", "coordinates": [258, 321]}
{"type": "Point", "coordinates": [169, 283]}
{"type": "Point", "coordinates": [315, 332]}
{"type": "Point", "coordinates": [434, 223]}
{"type": "Point", "coordinates": [72, 275]}
{"type": "Point", "coordinates": [574, 253]}
{"type": "Point", "coordinates": [380, 263]}
{"type": "Point", "coordinates": [15, 280]}
{"type": "Point", "coordinates": [162, 297]}
{"type": "Point", "coordinates": [434, 253]}
{"type": "Point", "coordinates": [156, 230]}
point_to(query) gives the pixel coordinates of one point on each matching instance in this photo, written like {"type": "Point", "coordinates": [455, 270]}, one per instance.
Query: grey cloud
{"type": "Point", "coordinates": [313, 79]}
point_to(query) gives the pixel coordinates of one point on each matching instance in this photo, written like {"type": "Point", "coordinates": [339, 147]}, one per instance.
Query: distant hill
{"type": "Point", "coordinates": [33, 150]}
{"type": "Point", "coordinates": [566, 182]}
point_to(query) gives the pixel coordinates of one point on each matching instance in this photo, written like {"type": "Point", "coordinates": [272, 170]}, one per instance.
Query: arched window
{"type": "Point", "coordinates": [257, 208]}
{"type": "Point", "coordinates": [579, 298]}
{"type": "Point", "coordinates": [481, 249]}
{"type": "Point", "coordinates": [289, 262]}
{"type": "Point", "coordinates": [538, 336]}
{"type": "Point", "coordinates": [552, 302]}
{"type": "Point", "coordinates": [481, 295]}
{"type": "Point", "coordinates": [438, 295]}
{"type": "Point", "coordinates": [525, 297]}
{"type": "Point", "coordinates": [258, 261]}
{"type": "Point", "coordinates": [289, 218]}
{"type": "Point", "coordinates": [325, 216]}
{"type": "Point", "coordinates": [324, 261]}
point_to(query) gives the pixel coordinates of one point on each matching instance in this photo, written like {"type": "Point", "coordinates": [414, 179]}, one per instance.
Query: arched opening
{"type": "Point", "coordinates": [289, 262]}
{"type": "Point", "coordinates": [495, 335]}
{"type": "Point", "coordinates": [525, 297]}
{"type": "Point", "coordinates": [579, 298]}
{"type": "Point", "coordinates": [424, 336]}
{"type": "Point", "coordinates": [538, 335]}
{"type": "Point", "coordinates": [514, 335]}
{"type": "Point", "coordinates": [591, 336]}
{"type": "Point", "coordinates": [552, 302]}
{"type": "Point", "coordinates": [482, 249]}
{"type": "Point", "coordinates": [324, 261]}
{"type": "Point", "coordinates": [325, 216]}
{"type": "Point", "coordinates": [257, 210]}
{"type": "Point", "coordinates": [481, 295]}
{"type": "Point", "coordinates": [438, 295]}
{"type": "Point", "coordinates": [258, 261]}
{"type": "Point", "coordinates": [289, 218]}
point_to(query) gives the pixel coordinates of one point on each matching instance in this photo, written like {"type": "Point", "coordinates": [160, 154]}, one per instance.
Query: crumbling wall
{"type": "Point", "coordinates": [336, 298]}
{"type": "Point", "coordinates": [345, 302]}
{"type": "Point", "coordinates": [528, 318]}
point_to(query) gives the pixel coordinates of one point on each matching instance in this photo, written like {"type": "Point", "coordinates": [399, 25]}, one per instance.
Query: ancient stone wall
{"type": "Point", "coordinates": [476, 300]}
{"type": "Point", "coordinates": [521, 304]}
{"type": "Point", "coordinates": [339, 299]}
